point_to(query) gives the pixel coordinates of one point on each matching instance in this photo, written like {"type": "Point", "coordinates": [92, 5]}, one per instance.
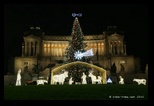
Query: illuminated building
{"type": "Point", "coordinates": [109, 49]}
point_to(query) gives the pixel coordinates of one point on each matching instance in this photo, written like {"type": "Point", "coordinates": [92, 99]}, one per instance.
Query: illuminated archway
{"type": "Point", "coordinates": [103, 72]}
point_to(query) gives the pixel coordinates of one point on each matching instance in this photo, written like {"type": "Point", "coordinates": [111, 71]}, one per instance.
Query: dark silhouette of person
{"type": "Point", "coordinates": [26, 75]}
{"type": "Point", "coordinates": [113, 68]}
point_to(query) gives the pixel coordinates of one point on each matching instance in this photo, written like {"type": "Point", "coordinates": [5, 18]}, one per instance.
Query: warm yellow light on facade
{"type": "Point", "coordinates": [102, 44]}
{"type": "Point", "coordinates": [67, 46]}
{"type": "Point", "coordinates": [45, 45]}
{"type": "Point", "coordinates": [122, 61]}
{"type": "Point", "coordinates": [48, 45]}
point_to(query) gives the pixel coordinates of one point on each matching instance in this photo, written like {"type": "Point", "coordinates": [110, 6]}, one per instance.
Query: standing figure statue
{"type": "Point", "coordinates": [70, 81]}
{"type": "Point", "coordinates": [18, 81]}
{"type": "Point", "coordinates": [121, 80]}
{"type": "Point", "coordinates": [84, 78]}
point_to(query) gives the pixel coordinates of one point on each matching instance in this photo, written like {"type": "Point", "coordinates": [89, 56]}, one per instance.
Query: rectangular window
{"type": "Point", "coordinates": [122, 61]}
{"type": "Point", "coordinates": [26, 63]}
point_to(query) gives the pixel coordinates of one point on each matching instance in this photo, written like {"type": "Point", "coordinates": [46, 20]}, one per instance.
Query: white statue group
{"type": "Point", "coordinates": [95, 79]}
{"type": "Point", "coordinates": [61, 78]}
{"type": "Point", "coordinates": [139, 81]}
{"type": "Point", "coordinates": [18, 80]}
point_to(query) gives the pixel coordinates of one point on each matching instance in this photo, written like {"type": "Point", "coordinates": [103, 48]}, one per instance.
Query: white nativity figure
{"type": "Point", "coordinates": [60, 78]}
{"type": "Point", "coordinates": [41, 82]}
{"type": "Point", "coordinates": [84, 78]}
{"type": "Point", "coordinates": [121, 80]}
{"type": "Point", "coordinates": [95, 80]}
{"type": "Point", "coordinates": [70, 81]}
{"type": "Point", "coordinates": [18, 81]}
{"type": "Point", "coordinates": [140, 81]}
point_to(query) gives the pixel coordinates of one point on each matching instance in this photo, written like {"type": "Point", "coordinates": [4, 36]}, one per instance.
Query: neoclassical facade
{"type": "Point", "coordinates": [109, 49]}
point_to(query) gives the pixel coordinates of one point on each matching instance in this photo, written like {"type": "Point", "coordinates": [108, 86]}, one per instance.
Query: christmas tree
{"type": "Point", "coordinates": [76, 44]}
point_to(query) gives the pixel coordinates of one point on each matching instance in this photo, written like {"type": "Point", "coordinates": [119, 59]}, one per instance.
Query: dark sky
{"type": "Point", "coordinates": [57, 19]}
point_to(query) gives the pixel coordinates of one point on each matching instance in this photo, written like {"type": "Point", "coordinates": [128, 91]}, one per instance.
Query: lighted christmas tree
{"type": "Point", "coordinates": [76, 44]}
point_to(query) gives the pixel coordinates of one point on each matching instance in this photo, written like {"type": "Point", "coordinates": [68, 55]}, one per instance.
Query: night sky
{"type": "Point", "coordinates": [57, 19]}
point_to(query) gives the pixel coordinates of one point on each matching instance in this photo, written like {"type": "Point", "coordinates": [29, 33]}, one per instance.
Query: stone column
{"type": "Point", "coordinates": [53, 50]}
{"type": "Point", "coordinates": [37, 48]}
{"type": "Point", "coordinates": [63, 49]}
{"type": "Point", "coordinates": [122, 51]}
{"type": "Point", "coordinates": [29, 49]}
{"type": "Point", "coordinates": [34, 48]}
{"type": "Point", "coordinates": [25, 48]}
{"type": "Point", "coordinates": [125, 49]}
{"type": "Point", "coordinates": [57, 50]}
{"type": "Point", "coordinates": [59, 47]}
{"type": "Point", "coordinates": [97, 48]}
{"type": "Point", "coordinates": [46, 49]}
{"type": "Point", "coordinates": [107, 47]}
{"type": "Point", "coordinates": [111, 49]}
{"type": "Point", "coordinates": [102, 49]}
{"type": "Point", "coordinates": [60, 50]}
{"type": "Point", "coordinates": [48, 46]}
{"type": "Point", "coordinates": [118, 48]}
{"type": "Point", "coordinates": [92, 46]}
{"type": "Point", "coordinates": [98, 45]}
{"type": "Point", "coordinates": [50, 49]}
